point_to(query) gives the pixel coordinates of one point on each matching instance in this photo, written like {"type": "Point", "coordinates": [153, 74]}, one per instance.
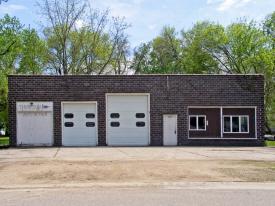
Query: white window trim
{"type": "Point", "coordinates": [240, 116]}
{"type": "Point", "coordinates": [197, 122]}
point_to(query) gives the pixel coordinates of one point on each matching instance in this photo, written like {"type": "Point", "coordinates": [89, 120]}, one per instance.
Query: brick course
{"type": "Point", "coordinates": [169, 94]}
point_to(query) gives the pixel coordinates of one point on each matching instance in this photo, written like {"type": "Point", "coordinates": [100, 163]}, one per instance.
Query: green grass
{"type": "Point", "coordinates": [270, 143]}
{"type": "Point", "coordinates": [4, 141]}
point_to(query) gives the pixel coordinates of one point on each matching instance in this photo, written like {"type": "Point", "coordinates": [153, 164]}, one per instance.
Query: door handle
{"type": "Point", "coordinates": [175, 132]}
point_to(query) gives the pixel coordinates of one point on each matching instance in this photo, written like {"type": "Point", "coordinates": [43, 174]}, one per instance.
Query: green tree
{"type": "Point", "coordinates": [141, 62]}
{"type": "Point", "coordinates": [162, 55]}
{"type": "Point", "coordinates": [105, 51]}
{"type": "Point", "coordinates": [269, 28]}
{"type": "Point", "coordinates": [10, 41]}
{"type": "Point", "coordinates": [21, 50]}
{"type": "Point", "coordinates": [201, 48]}
{"type": "Point", "coordinates": [62, 17]}
{"type": "Point", "coordinates": [79, 40]}
{"type": "Point", "coordinates": [32, 55]}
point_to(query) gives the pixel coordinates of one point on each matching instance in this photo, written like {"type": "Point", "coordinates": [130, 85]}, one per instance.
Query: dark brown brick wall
{"type": "Point", "coordinates": [169, 94]}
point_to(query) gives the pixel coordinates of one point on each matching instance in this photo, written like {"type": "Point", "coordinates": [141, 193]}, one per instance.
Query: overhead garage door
{"type": "Point", "coordinates": [79, 124]}
{"type": "Point", "coordinates": [34, 123]}
{"type": "Point", "coordinates": [127, 120]}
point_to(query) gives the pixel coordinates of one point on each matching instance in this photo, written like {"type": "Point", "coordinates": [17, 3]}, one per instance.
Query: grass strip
{"type": "Point", "coordinates": [4, 141]}
{"type": "Point", "coordinates": [270, 143]}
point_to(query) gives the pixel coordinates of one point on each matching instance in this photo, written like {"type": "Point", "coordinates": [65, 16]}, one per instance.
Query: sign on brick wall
{"type": "Point", "coordinates": [34, 107]}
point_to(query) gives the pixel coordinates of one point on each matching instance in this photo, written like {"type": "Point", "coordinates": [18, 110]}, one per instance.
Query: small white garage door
{"type": "Point", "coordinates": [127, 120]}
{"type": "Point", "coordinates": [34, 123]}
{"type": "Point", "coordinates": [79, 124]}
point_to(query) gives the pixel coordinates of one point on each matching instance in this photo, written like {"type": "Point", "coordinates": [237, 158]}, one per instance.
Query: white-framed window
{"type": "Point", "coordinates": [235, 124]}
{"type": "Point", "coordinates": [197, 122]}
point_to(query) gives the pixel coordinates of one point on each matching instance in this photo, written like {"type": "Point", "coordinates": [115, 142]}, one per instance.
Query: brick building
{"type": "Point", "coordinates": [136, 110]}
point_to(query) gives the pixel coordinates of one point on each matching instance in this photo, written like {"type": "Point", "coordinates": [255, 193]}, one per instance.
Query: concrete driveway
{"type": "Point", "coordinates": [140, 153]}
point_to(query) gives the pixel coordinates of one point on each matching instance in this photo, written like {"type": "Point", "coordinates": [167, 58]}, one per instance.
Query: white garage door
{"type": "Point", "coordinates": [127, 120]}
{"type": "Point", "coordinates": [79, 124]}
{"type": "Point", "coordinates": [34, 123]}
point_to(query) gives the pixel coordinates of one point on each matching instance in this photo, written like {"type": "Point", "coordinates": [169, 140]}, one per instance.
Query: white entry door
{"type": "Point", "coordinates": [170, 130]}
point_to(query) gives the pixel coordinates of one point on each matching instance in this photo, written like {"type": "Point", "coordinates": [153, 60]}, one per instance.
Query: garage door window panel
{"type": "Point", "coordinates": [90, 115]}
{"type": "Point", "coordinates": [140, 124]}
{"type": "Point", "coordinates": [69, 124]}
{"type": "Point", "coordinates": [90, 124]}
{"type": "Point", "coordinates": [140, 115]}
{"type": "Point", "coordinates": [114, 115]}
{"type": "Point", "coordinates": [115, 124]}
{"type": "Point", "coordinates": [69, 115]}
{"type": "Point", "coordinates": [197, 122]}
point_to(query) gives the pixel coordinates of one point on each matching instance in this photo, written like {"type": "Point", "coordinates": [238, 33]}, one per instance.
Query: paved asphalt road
{"type": "Point", "coordinates": [87, 196]}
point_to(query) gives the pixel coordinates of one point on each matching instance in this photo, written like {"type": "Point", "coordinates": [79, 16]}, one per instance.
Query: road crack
{"type": "Point", "coordinates": [56, 152]}
{"type": "Point", "coordinates": [123, 152]}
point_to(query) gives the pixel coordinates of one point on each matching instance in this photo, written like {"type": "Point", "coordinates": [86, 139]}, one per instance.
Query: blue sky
{"type": "Point", "coordinates": [149, 16]}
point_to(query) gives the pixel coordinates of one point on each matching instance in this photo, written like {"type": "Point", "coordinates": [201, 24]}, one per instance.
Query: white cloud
{"type": "Point", "coordinates": [227, 4]}
{"type": "Point", "coordinates": [11, 8]}
{"type": "Point", "coordinates": [242, 3]}
{"type": "Point", "coordinates": [164, 6]}
{"type": "Point", "coordinates": [152, 26]}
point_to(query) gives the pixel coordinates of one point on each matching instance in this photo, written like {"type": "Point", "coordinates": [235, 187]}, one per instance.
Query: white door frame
{"type": "Point", "coordinates": [79, 102]}
{"type": "Point", "coordinates": [176, 127]}
{"type": "Point", "coordinates": [128, 94]}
